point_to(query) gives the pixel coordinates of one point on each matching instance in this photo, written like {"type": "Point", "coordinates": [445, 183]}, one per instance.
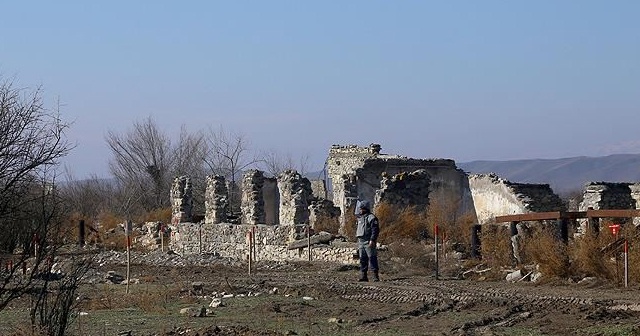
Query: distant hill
{"type": "Point", "coordinates": [563, 175]}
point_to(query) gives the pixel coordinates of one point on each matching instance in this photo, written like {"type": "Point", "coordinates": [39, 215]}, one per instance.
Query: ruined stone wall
{"type": "Point", "coordinates": [319, 189]}
{"type": "Point", "coordinates": [357, 172]}
{"type": "Point", "coordinates": [181, 200]}
{"type": "Point", "coordinates": [342, 163]}
{"type": "Point", "coordinates": [607, 196]}
{"type": "Point", "coordinates": [216, 200]}
{"type": "Point", "coordinates": [493, 196]}
{"type": "Point", "coordinates": [230, 241]}
{"type": "Point", "coordinates": [322, 210]}
{"type": "Point", "coordinates": [252, 206]}
{"type": "Point", "coordinates": [295, 198]}
{"type": "Point", "coordinates": [448, 184]}
{"type": "Point", "coordinates": [635, 195]}
{"type": "Point", "coordinates": [405, 189]}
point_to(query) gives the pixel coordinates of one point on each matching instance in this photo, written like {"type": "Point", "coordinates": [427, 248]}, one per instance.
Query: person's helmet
{"type": "Point", "coordinates": [365, 205]}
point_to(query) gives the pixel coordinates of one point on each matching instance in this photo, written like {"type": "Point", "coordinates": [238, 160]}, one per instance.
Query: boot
{"type": "Point", "coordinates": [363, 277]}
{"type": "Point", "coordinates": [376, 278]}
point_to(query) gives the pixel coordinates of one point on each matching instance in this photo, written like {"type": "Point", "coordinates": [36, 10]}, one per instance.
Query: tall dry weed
{"type": "Point", "coordinates": [588, 259]}
{"type": "Point", "coordinates": [401, 223]}
{"type": "Point", "coordinates": [543, 248]}
{"type": "Point", "coordinates": [327, 224]}
{"type": "Point", "coordinates": [496, 247]}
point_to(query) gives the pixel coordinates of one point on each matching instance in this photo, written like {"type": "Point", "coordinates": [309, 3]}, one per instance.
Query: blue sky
{"type": "Point", "coordinates": [466, 80]}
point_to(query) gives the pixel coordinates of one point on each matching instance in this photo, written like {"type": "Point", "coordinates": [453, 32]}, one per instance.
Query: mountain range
{"type": "Point", "coordinates": [563, 175]}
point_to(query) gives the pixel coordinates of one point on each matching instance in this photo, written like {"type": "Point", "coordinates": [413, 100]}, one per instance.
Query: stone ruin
{"type": "Point", "coordinates": [216, 200]}
{"type": "Point", "coordinates": [611, 196]}
{"type": "Point", "coordinates": [494, 196]}
{"type": "Point", "coordinates": [364, 173]}
{"type": "Point", "coordinates": [279, 209]}
{"type": "Point", "coordinates": [181, 200]}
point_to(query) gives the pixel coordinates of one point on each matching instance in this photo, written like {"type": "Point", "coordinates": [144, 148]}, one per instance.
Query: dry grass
{"type": "Point", "coordinates": [547, 251]}
{"type": "Point", "coordinates": [401, 223]}
{"type": "Point", "coordinates": [496, 245]}
{"type": "Point", "coordinates": [587, 259]}
{"type": "Point", "coordinates": [147, 298]}
{"type": "Point", "coordinates": [414, 253]}
{"type": "Point", "coordinates": [327, 224]}
{"type": "Point", "coordinates": [157, 215]}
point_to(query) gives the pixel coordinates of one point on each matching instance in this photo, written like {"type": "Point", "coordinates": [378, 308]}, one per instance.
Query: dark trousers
{"type": "Point", "coordinates": [368, 256]}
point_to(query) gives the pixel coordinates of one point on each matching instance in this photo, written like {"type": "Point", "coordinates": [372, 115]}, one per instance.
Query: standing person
{"type": "Point", "coordinates": [367, 234]}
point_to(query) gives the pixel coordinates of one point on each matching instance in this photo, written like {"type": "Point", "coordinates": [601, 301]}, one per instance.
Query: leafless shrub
{"type": "Point", "coordinates": [547, 251]}
{"type": "Point", "coordinates": [496, 246]}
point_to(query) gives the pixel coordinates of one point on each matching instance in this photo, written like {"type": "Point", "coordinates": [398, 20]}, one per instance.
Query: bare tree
{"type": "Point", "coordinates": [90, 197]}
{"type": "Point", "coordinates": [274, 163]}
{"type": "Point", "coordinates": [228, 155]}
{"type": "Point", "coordinates": [142, 162]}
{"type": "Point", "coordinates": [189, 154]}
{"type": "Point", "coordinates": [32, 142]}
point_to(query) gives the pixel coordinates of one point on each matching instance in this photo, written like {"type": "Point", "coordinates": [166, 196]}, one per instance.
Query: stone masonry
{"type": "Point", "coordinates": [252, 207]}
{"type": "Point", "coordinates": [181, 200]}
{"type": "Point", "coordinates": [216, 200]}
{"type": "Point", "coordinates": [635, 194]}
{"type": "Point", "coordinates": [230, 241]}
{"type": "Point", "coordinates": [607, 196]}
{"type": "Point", "coordinates": [360, 170]}
{"type": "Point", "coordinates": [405, 189]}
{"type": "Point", "coordinates": [611, 196]}
{"type": "Point", "coordinates": [295, 198]}
{"type": "Point", "coordinates": [494, 196]}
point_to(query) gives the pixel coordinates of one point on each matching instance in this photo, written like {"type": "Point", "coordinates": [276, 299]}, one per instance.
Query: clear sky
{"type": "Point", "coordinates": [466, 80]}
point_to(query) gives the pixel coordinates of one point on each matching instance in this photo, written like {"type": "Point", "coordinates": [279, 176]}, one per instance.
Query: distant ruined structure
{"type": "Point", "coordinates": [494, 196]}
{"type": "Point", "coordinates": [363, 173]}
{"type": "Point", "coordinates": [277, 211]}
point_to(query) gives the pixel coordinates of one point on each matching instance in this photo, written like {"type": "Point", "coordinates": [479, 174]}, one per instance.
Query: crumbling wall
{"type": "Point", "coordinates": [322, 210]}
{"type": "Point", "coordinates": [607, 196]}
{"type": "Point", "coordinates": [635, 195]}
{"type": "Point", "coordinates": [405, 189]}
{"type": "Point", "coordinates": [230, 241]}
{"type": "Point", "coordinates": [181, 200]}
{"type": "Point", "coordinates": [342, 163]}
{"type": "Point", "coordinates": [494, 196]}
{"type": "Point", "coordinates": [319, 189]}
{"type": "Point", "coordinates": [295, 197]}
{"type": "Point", "coordinates": [252, 207]}
{"type": "Point", "coordinates": [365, 166]}
{"type": "Point", "coordinates": [216, 200]}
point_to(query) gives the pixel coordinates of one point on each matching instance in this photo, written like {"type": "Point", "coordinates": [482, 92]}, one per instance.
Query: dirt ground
{"type": "Point", "coordinates": [317, 298]}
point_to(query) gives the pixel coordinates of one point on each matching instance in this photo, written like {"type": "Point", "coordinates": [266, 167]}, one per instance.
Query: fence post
{"type": "Point", "coordinates": [435, 235]}
{"type": "Point", "coordinates": [81, 233]}
{"type": "Point", "coordinates": [475, 241]}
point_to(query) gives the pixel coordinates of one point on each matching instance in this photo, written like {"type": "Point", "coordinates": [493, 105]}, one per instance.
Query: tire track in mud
{"type": "Point", "coordinates": [510, 306]}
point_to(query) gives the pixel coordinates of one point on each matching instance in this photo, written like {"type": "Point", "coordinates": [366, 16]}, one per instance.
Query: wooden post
{"type": "Point", "coordinates": [475, 241]}
{"type": "Point", "coordinates": [435, 235]}
{"type": "Point", "coordinates": [161, 237]}
{"type": "Point", "coordinates": [309, 241]}
{"type": "Point", "coordinates": [253, 243]}
{"type": "Point", "coordinates": [249, 238]}
{"type": "Point", "coordinates": [81, 233]}
{"type": "Point", "coordinates": [127, 233]}
{"type": "Point", "coordinates": [626, 263]}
